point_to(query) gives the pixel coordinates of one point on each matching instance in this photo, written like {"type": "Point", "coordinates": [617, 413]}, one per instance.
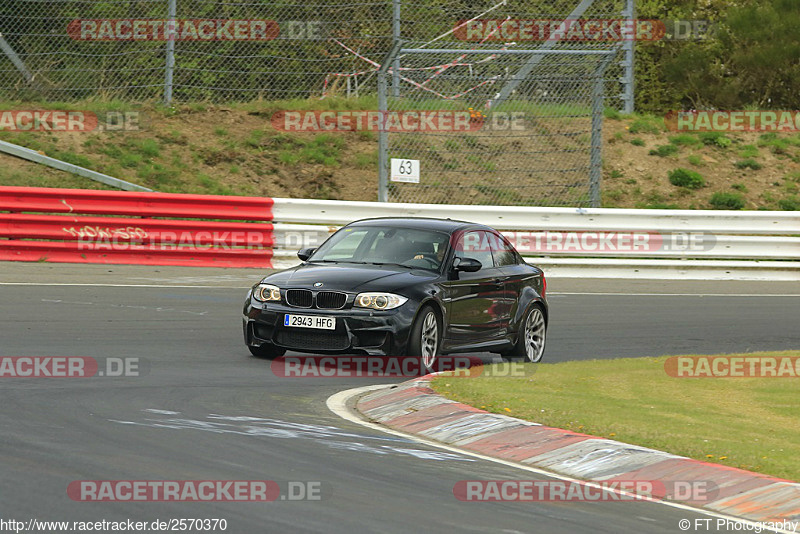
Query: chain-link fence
{"type": "Point", "coordinates": [534, 92]}
{"type": "Point", "coordinates": [503, 24]}
{"type": "Point", "coordinates": [220, 50]}
{"type": "Point", "coordinates": [533, 148]}
{"type": "Point", "coordinates": [236, 50]}
{"type": "Point", "coordinates": [539, 114]}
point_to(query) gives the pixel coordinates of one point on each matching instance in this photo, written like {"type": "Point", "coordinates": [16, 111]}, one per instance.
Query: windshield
{"type": "Point", "coordinates": [409, 247]}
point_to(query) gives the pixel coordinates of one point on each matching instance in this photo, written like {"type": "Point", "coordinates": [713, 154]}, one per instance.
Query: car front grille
{"type": "Point", "coordinates": [313, 340]}
{"type": "Point", "coordinates": [325, 300]}
{"type": "Point", "coordinates": [331, 300]}
{"type": "Point", "coordinates": [299, 298]}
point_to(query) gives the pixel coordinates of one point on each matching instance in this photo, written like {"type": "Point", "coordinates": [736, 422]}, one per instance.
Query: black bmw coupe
{"type": "Point", "coordinates": [402, 287]}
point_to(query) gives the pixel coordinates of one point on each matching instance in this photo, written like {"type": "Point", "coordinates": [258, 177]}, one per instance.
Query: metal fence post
{"type": "Point", "coordinates": [383, 135]}
{"type": "Point", "coordinates": [170, 64]}
{"type": "Point", "coordinates": [383, 141]}
{"type": "Point", "coordinates": [596, 156]}
{"type": "Point", "coordinates": [628, 48]}
{"type": "Point", "coordinates": [395, 38]}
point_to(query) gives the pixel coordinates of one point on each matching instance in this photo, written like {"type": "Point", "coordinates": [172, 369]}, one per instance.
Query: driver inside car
{"type": "Point", "coordinates": [430, 254]}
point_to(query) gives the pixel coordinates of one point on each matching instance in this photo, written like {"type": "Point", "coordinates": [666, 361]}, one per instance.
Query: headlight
{"type": "Point", "coordinates": [267, 293]}
{"type": "Point", "coordinates": [379, 301]}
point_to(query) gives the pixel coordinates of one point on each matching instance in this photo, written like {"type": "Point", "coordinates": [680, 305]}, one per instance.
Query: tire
{"type": "Point", "coordinates": [425, 339]}
{"type": "Point", "coordinates": [532, 336]}
{"type": "Point", "coordinates": [267, 351]}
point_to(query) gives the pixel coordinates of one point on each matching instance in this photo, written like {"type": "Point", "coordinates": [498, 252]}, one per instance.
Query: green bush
{"type": "Point", "coordinates": [646, 124]}
{"type": "Point", "coordinates": [684, 139]}
{"type": "Point", "coordinates": [727, 201]}
{"type": "Point", "coordinates": [748, 163]}
{"type": "Point", "coordinates": [778, 145]}
{"type": "Point", "coordinates": [789, 204]}
{"type": "Point", "coordinates": [686, 178]}
{"type": "Point", "coordinates": [748, 151]}
{"type": "Point", "coordinates": [663, 151]}
{"type": "Point", "coordinates": [715, 139]}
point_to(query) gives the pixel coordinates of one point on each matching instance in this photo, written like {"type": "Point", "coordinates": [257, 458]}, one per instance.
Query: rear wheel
{"type": "Point", "coordinates": [267, 350]}
{"type": "Point", "coordinates": [532, 336]}
{"type": "Point", "coordinates": [426, 337]}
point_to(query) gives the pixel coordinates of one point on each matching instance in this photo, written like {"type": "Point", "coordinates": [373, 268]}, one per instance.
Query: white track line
{"type": "Point", "coordinates": [676, 294]}
{"type": "Point", "coordinates": [159, 286]}
{"type": "Point", "coordinates": [337, 403]}
{"type": "Point", "coordinates": [554, 293]}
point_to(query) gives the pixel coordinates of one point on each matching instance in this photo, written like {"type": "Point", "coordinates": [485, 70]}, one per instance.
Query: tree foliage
{"type": "Point", "coordinates": [752, 61]}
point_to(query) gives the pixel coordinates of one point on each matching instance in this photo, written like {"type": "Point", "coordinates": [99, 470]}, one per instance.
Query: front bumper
{"type": "Point", "coordinates": [358, 331]}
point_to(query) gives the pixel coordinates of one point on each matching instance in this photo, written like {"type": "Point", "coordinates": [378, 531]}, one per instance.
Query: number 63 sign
{"type": "Point", "coordinates": [405, 170]}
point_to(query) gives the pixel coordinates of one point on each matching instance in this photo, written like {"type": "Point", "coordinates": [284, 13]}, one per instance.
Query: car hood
{"type": "Point", "coordinates": [349, 277]}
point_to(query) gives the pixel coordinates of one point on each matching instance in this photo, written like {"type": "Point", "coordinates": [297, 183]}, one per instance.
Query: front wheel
{"type": "Point", "coordinates": [267, 350]}
{"type": "Point", "coordinates": [532, 336]}
{"type": "Point", "coordinates": [426, 336]}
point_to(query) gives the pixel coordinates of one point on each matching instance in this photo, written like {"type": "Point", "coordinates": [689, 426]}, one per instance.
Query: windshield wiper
{"type": "Point", "coordinates": [395, 264]}
{"type": "Point", "coordinates": [346, 261]}
{"type": "Point", "coordinates": [374, 263]}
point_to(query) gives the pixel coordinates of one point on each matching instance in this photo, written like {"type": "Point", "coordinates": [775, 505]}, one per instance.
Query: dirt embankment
{"type": "Point", "coordinates": [199, 149]}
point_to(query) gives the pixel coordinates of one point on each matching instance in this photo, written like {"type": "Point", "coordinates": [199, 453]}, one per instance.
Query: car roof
{"type": "Point", "coordinates": [426, 223]}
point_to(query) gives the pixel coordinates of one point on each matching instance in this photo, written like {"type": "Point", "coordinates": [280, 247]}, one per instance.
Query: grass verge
{"type": "Point", "coordinates": [749, 423]}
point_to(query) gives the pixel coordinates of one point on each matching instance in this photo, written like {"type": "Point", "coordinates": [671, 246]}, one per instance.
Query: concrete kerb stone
{"type": "Point", "coordinates": [415, 408]}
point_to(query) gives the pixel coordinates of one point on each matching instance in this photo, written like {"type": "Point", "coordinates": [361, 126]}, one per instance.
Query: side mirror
{"type": "Point", "coordinates": [305, 253]}
{"type": "Point", "coordinates": [467, 265]}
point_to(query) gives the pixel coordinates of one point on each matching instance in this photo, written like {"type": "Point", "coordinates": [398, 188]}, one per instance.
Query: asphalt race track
{"type": "Point", "coordinates": [204, 409]}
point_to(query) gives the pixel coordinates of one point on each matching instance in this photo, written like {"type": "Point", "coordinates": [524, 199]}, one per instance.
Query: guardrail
{"type": "Point", "coordinates": [139, 228]}
{"type": "Point", "coordinates": [599, 242]}
{"type": "Point", "coordinates": [151, 228]}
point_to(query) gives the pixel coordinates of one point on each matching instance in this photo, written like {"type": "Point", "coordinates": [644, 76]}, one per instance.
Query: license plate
{"type": "Point", "coordinates": [309, 321]}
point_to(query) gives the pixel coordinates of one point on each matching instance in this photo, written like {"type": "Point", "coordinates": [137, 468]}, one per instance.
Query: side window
{"type": "Point", "coordinates": [475, 245]}
{"type": "Point", "coordinates": [502, 251]}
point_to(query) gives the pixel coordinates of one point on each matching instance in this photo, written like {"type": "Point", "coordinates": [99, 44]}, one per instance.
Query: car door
{"type": "Point", "coordinates": [512, 275]}
{"type": "Point", "coordinates": [473, 299]}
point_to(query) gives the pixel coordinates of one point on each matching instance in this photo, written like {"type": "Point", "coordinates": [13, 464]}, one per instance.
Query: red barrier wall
{"type": "Point", "coordinates": [88, 226]}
